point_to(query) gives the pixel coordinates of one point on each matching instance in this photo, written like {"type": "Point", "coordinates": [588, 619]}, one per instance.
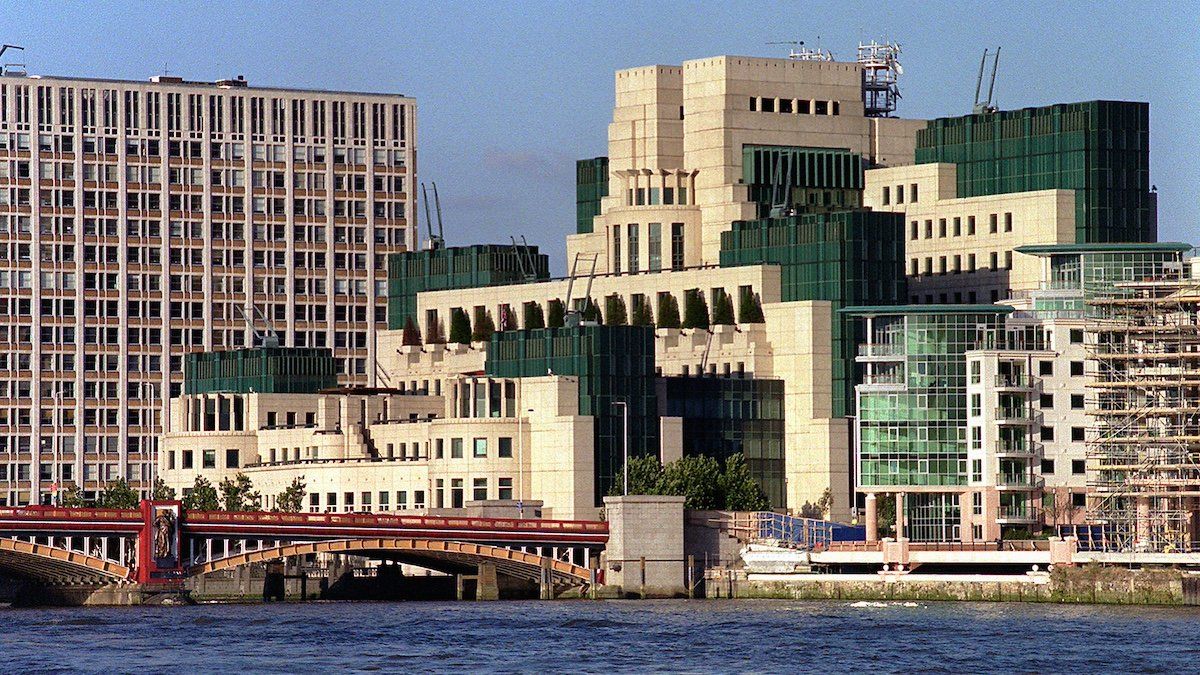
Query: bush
{"type": "Point", "coordinates": [749, 308]}
{"type": "Point", "coordinates": [614, 310]}
{"type": "Point", "coordinates": [722, 310]}
{"type": "Point", "coordinates": [591, 311]}
{"type": "Point", "coordinates": [695, 309]}
{"type": "Point", "coordinates": [203, 496]}
{"type": "Point", "coordinates": [668, 311]}
{"type": "Point", "coordinates": [534, 318]}
{"type": "Point", "coordinates": [556, 314]}
{"type": "Point", "coordinates": [411, 337]}
{"type": "Point", "coordinates": [699, 479]}
{"type": "Point", "coordinates": [460, 327]}
{"type": "Point", "coordinates": [238, 494]}
{"type": "Point", "coordinates": [641, 312]}
{"type": "Point", "coordinates": [484, 327]}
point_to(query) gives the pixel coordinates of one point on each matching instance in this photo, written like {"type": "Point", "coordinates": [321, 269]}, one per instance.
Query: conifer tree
{"type": "Point", "coordinates": [722, 310]}
{"type": "Point", "coordinates": [534, 318]}
{"type": "Point", "coordinates": [411, 337]}
{"type": "Point", "coordinates": [614, 310]}
{"type": "Point", "coordinates": [668, 311]}
{"type": "Point", "coordinates": [641, 312]}
{"type": "Point", "coordinates": [695, 309]}
{"type": "Point", "coordinates": [484, 327]}
{"type": "Point", "coordinates": [749, 308]}
{"type": "Point", "coordinates": [460, 327]}
{"type": "Point", "coordinates": [557, 314]}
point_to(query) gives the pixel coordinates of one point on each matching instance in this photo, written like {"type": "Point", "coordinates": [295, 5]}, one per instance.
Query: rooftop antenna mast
{"type": "Point", "coordinates": [880, 71]}
{"type": "Point", "coordinates": [987, 106]}
{"type": "Point", "coordinates": [801, 53]}
{"type": "Point", "coordinates": [266, 338]}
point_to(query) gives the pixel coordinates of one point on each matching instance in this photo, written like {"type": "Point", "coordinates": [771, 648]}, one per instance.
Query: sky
{"type": "Point", "coordinates": [510, 94]}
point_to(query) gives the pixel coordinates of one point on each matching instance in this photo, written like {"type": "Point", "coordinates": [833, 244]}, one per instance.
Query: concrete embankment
{"type": "Point", "coordinates": [1088, 584]}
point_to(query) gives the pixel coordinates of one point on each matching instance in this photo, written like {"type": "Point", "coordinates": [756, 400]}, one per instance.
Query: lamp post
{"type": "Point", "coordinates": [624, 442]}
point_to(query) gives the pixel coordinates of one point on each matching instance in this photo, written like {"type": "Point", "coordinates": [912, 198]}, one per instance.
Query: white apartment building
{"type": "Point", "coordinates": [138, 220]}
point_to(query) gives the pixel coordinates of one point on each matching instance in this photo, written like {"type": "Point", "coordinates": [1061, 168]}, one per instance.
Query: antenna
{"type": "Point", "coordinates": [11, 67]}
{"type": "Point", "coordinates": [986, 106]}
{"type": "Point", "coordinates": [805, 53]}
{"type": "Point", "coordinates": [880, 71]}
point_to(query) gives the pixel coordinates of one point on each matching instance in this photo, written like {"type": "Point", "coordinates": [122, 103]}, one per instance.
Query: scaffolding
{"type": "Point", "coordinates": [1143, 450]}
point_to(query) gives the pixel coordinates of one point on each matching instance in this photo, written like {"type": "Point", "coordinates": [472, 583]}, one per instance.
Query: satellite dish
{"type": "Point", "coordinates": [899, 68]}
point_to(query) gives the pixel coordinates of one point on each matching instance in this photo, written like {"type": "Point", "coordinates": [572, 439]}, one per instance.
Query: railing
{"type": "Point", "coordinates": [1020, 413]}
{"type": "Point", "coordinates": [1014, 381]}
{"type": "Point", "coordinates": [880, 349]}
{"type": "Point", "coordinates": [800, 533]}
{"type": "Point", "coordinates": [1020, 512]}
{"type": "Point", "coordinates": [1023, 447]}
{"type": "Point", "coordinates": [1019, 480]}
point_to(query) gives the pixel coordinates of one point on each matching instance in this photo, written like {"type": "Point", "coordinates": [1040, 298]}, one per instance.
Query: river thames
{"type": "Point", "coordinates": [570, 636]}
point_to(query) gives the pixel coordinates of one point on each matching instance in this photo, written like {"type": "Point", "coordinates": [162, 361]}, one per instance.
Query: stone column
{"type": "Point", "coordinates": [966, 516]}
{"type": "Point", "coordinates": [649, 528]}
{"type": "Point", "coordinates": [900, 516]}
{"type": "Point", "coordinates": [872, 518]}
{"type": "Point", "coordinates": [486, 587]}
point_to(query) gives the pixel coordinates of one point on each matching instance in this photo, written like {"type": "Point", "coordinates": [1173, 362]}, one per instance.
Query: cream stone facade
{"type": "Point", "coordinates": [960, 250]}
{"type": "Point", "coordinates": [382, 450]}
{"type": "Point", "coordinates": [675, 150]}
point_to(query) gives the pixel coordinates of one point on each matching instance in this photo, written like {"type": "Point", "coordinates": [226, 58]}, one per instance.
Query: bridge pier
{"type": "Point", "coordinates": [487, 586]}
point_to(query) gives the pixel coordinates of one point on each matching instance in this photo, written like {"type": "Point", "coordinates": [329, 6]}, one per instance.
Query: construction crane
{"type": "Point", "coordinates": [5, 69]}
{"type": "Point", "coordinates": [266, 338]}
{"type": "Point", "coordinates": [573, 316]}
{"type": "Point", "coordinates": [436, 241]}
{"type": "Point", "coordinates": [982, 107]}
{"type": "Point", "coordinates": [525, 262]}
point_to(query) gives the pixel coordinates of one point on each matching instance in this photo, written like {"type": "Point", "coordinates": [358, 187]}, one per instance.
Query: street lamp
{"type": "Point", "coordinates": [624, 440]}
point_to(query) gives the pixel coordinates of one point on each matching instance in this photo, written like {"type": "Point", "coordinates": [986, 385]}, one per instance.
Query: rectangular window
{"type": "Point", "coordinates": [504, 489]}
{"type": "Point", "coordinates": [616, 249]}
{"type": "Point", "coordinates": [912, 192]}
{"type": "Point", "coordinates": [209, 459]}
{"type": "Point", "coordinates": [1048, 466]}
{"type": "Point", "coordinates": [1077, 434]}
{"type": "Point", "coordinates": [1076, 401]}
{"type": "Point", "coordinates": [231, 458]}
{"type": "Point", "coordinates": [887, 195]}
{"type": "Point", "coordinates": [479, 489]}
{"type": "Point", "coordinates": [504, 447]}
{"type": "Point", "coordinates": [676, 246]}
{"type": "Point", "coordinates": [1077, 368]}
{"type": "Point", "coordinates": [654, 251]}
{"type": "Point", "coordinates": [1046, 401]}
{"type": "Point", "coordinates": [1008, 222]}
{"type": "Point", "coordinates": [1078, 467]}
{"type": "Point", "coordinates": [633, 248]}
{"type": "Point", "coordinates": [479, 448]}
{"type": "Point", "coordinates": [456, 448]}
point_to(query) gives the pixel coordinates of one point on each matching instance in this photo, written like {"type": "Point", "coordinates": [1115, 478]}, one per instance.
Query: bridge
{"type": "Point", "coordinates": [159, 546]}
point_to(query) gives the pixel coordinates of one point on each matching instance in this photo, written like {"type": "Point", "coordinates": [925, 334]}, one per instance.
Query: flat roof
{"type": "Point", "coordinates": [1133, 247]}
{"type": "Point", "coordinates": [877, 310]}
{"type": "Point", "coordinates": [173, 81]}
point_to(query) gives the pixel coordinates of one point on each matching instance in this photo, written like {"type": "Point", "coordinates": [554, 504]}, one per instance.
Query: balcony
{"type": "Point", "coordinates": [1014, 514]}
{"type": "Point", "coordinates": [1018, 382]}
{"type": "Point", "coordinates": [1018, 415]}
{"type": "Point", "coordinates": [1021, 448]}
{"type": "Point", "coordinates": [1019, 481]}
{"type": "Point", "coordinates": [872, 350]}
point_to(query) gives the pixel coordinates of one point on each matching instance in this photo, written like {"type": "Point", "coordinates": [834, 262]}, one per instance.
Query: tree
{"type": "Point", "coordinates": [645, 474]}
{"type": "Point", "coordinates": [591, 311]}
{"type": "Point", "coordinates": [749, 308]}
{"type": "Point", "coordinates": [697, 478]}
{"type": "Point", "coordinates": [437, 333]}
{"type": "Point", "coordinates": [820, 509]}
{"type": "Point", "coordinates": [72, 497]}
{"type": "Point", "coordinates": [161, 492]}
{"type": "Point", "coordinates": [741, 492]}
{"type": "Point", "coordinates": [534, 318]}
{"type": "Point", "coordinates": [203, 496]}
{"type": "Point", "coordinates": [484, 327]}
{"type": "Point", "coordinates": [291, 500]}
{"type": "Point", "coordinates": [411, 337]}
{"type": "Point", "coordinates": [557, 314]}
{"type": "Point", "coordinates": [118, 495]}
{"type": "Point", "coordinates": [238, 494]}
{"type": "Point", "coordinates": [885, 515]}
{"type": "Point", "coordinates": [460, 327]}
{"type": "Point", "coordinates": [641, 312]}
{"type": "Point", "coordinates": [722, 314]}
{"type": "Point", "coordinates": [614, 310]}
{"type": "Point", "coordinates": [695, 309]}
{"type": "Point", "coordinates": [668, 311]}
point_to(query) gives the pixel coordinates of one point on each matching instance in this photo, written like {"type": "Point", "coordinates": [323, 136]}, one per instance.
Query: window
{"type": "Point", "coordinates": [992, 223]}
{"type": "Point", "coordinates": [1077, 434]}
{"type": "Point", "coordinates": [456, 448]}
{"type": "Point", "coordinates": [676, 246]}
{"type": "Point", "coordinates": [504, 447]}
{"type": "Point", "coordinates": [912, 192]}
{"type": "Point", "coordinates": [504, 488]}
{"type": "Point", "coordinates": [1008, 222]}
{"type": "Point", "coordinates": [1078, 467]}
{"type": "Point", "coordinates": [1048, 466]}
{"type": "Point", "coordinates": [1077, 402]}
{"type": "Point", "coordinates": [1079, 500]}
{"type": "Point", "coordinates": [231, 458]}
{"type": "Point", "coordinates": [1046, 401]}
{"type": "Point", "coordinates": [209, 459]}
{"type": "Point", "coordinates": [479, 489]}
{"type": "Point", "coordinates": [1076, 368]}
{"type": "Point", "coordinates": [480, 448]}
{"type": "Point", "coordinates": [1076, 336]}
{"type": "Point", "coordinates": [887, 195]}
{"type": "Point", "coordinates": [1047, 433]}
{"type": "Point", "coordinates": [1045, 368]}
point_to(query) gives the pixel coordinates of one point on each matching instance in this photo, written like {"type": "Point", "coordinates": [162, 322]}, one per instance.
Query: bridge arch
{"type": "Point", "coordinates": [54, 565]}
{"type": "Point", "coordinates": [518, 564]}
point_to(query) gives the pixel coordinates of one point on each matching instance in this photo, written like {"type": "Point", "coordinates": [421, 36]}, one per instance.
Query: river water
{"type": "Point", "coordinates": [586, 636]}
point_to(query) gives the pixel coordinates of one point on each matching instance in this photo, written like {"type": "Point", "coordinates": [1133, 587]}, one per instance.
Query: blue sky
{"type": "Point", "coordinates": [509, 95]}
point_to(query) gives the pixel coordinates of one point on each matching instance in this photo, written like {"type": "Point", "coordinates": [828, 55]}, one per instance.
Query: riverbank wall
{"type": "Point", "coordinates": [1090, 584]}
